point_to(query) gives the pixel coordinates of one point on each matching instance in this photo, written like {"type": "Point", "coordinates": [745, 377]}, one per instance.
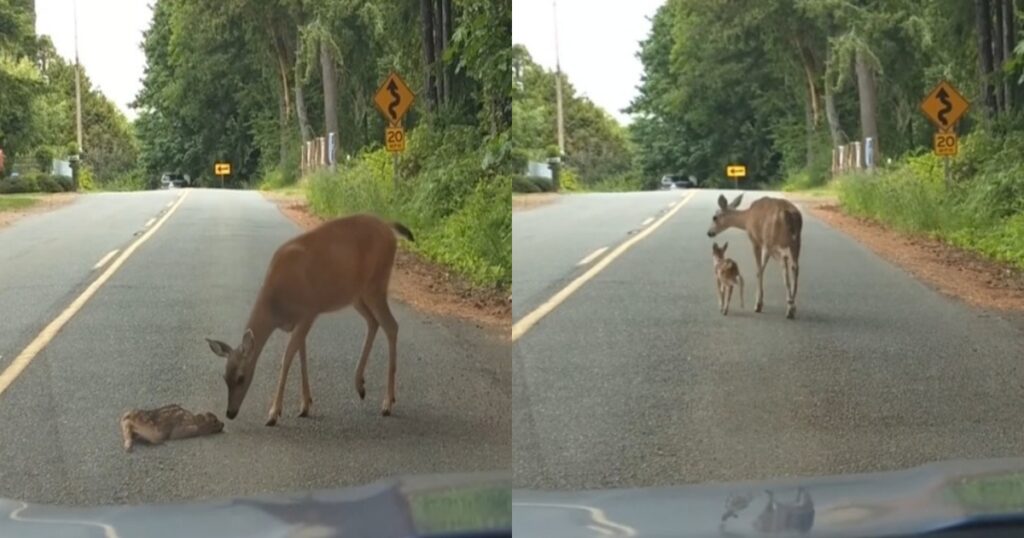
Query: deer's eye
{"type": "Point", "coordinates": [714, 218]}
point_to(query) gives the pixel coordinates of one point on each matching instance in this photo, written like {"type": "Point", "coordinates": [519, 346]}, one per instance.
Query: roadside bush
{"type": "Point", "coordinates": [523, 185]}
{"type": "Point", "coordinates": [617, 183]}
{"type": "Point", "coordinates": [18, 185]}
{"type": "Point", "coordinates": [459, 212]}
{"type": "Point", "coordinates": [569, 180]}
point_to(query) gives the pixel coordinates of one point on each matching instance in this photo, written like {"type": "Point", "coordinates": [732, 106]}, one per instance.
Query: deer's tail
{"type": "Point", "coordinates": [402, 230]}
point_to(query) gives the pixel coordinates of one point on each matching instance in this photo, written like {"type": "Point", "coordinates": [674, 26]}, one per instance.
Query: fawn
{"type": "Point", "coordinates": [168, 422]}
{"type": "Point", "coordinates": [727, 275]}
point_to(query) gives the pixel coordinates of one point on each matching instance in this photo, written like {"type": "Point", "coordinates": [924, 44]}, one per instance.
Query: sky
{"type": "Point", "coordinates": [109, 40]}
{"type": "Point", "coordinates": [597, 44]}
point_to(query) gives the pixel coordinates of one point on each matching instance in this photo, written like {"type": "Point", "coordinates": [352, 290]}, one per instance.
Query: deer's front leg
{"type": "Point", "coordinates": [294, 343]}
{"type": "Point", "coordinates": [307, 398]}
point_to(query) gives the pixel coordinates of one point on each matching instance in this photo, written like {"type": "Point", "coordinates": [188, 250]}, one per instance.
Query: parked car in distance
{"type": "Point", "coordinates": [169, 180]}
{"type": "Point", "coordinates": [678, 181]}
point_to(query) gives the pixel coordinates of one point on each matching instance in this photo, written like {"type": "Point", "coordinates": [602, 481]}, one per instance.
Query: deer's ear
{"type": "Point", "coordinates": [725, 246]}
{"type": "Point", "coordinates": [736, 203]}
{"type": "Point", "coordinates": [219, 348]}
{"type": "Point", "coordinates": [248, 341]}
{"type": "Point", "coordinates": [722, 202]}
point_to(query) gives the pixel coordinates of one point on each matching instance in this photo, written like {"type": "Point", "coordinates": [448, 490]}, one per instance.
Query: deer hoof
{"type": "Point", "coordinates": [304, 413]}
{"type": "Point", "coordinates": [757, 308]}
{"type": "Point", "coordinates": [791, 312]}
{"type": "Point", "coordinates": [272, 421]}
{"type": "Point", "coordinates": [361, 389]}
{"type": "Point", "coordinates": [385, 409]}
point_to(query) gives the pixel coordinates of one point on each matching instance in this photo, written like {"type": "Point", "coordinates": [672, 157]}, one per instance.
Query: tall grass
{"type": "Point", "coordinates": [460, 214]}
{"type": "Point", "coordinates": [983, 210]}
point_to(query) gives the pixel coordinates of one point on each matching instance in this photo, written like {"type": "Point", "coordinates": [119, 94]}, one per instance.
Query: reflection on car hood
{"type": "Point", "coordinates": [908, 502]}
{"type": "Point", "coordinates": [439, 505]}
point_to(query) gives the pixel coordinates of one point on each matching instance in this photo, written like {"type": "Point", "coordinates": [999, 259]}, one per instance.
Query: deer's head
{"type": "Point", "coordinates": [721, 220]}
{"type": "Point", "coordinates": [237, 369]}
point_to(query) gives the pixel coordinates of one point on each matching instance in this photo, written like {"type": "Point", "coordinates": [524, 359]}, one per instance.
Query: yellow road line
{"type": "Point", "coordinates": [149, 222]}
{"type": "Point", "coordinates": [23, 359]}
{"type": "Point", "coordinates": [520, 327]}
{"type": "Point", "coordinates": [647, 221]}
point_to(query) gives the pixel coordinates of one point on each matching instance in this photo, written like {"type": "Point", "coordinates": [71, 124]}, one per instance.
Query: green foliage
{"type": "Point", "coordinates": [15, 203]}
{"type": "Point", "coordinates": [568, 180]}
{"type": "Point", "coordinates": [460, 214]}
{"type": "Point", "coordinates": [983, 211]}
{"type": "Point", "coordinates": [523, 185]}
{"type": "Point", "coordinates": [619, 183]}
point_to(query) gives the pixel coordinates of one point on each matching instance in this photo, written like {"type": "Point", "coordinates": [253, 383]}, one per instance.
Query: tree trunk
{"type": "Point", "coordinates": [429, 82]}
{"type": "Point", "coordinates": [330, 75]}
{"type": "Point", "coordinates": [997, 56]}
{"type": "Point", "coordinates": [439, 49]}
{"type": "Point", "coordinates": [305, 131]}
{"type": "Point", "coordinates": [868, 103]}
{"type": "Point", "coordinates": [1009, 41]}
{"type": "Point", "coordinates": [835, 130]}
{"type": "Point", "coordinates": [282, 121]}
{"type": "Point", "coordinates": [983, 21]}
{"type": "Point", "coordinates": [809, 128]}
{"type": "Point", "coordinates": [446, 36]}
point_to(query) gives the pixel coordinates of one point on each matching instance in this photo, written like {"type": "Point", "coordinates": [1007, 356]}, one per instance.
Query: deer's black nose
{"type": "Point", "coordinates": [710, 233]}
{"type": "Point", "coordinates": [231, 414]}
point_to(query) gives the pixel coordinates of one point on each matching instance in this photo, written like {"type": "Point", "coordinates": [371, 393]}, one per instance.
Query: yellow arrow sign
{"type": "Point", "coordinates": [393, 98]}
{"type": "Point", "coordinates": [222, 169]}
{"type": "Point", "coordinates": [736, 170]}
{"type": "Point", "coordinates": [944, 106]}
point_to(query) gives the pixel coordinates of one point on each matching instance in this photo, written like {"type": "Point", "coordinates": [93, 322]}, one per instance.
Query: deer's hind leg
{"type": "Point", "coordinates": [371, 333]}
{"type": "Point", "coordinates": [307, 398]}
{"type": "Point", "coordinates": [378, 305]}
{"type": "Point", "coordinates": [760, 259]}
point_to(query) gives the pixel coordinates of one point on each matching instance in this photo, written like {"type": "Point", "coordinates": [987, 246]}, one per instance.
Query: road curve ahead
{"type": "Point", "coordinates": [139, 342]}
{"type": "Point", "coordinates": [636, 380]}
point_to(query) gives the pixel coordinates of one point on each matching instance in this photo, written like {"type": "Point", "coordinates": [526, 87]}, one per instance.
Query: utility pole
{"type": "Point", "coordinates": [78, 104]}
{"type": "Point", "coordinates": [558, 85]}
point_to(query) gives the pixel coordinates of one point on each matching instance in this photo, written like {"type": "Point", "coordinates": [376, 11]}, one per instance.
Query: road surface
{"type": "Point", "coordinates": [636, 380]}
{"type": "Point", "coordinates": [139, 342]}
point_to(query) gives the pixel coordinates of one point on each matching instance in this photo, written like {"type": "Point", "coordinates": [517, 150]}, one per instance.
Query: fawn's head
{"type": "Point", "coordinates": [237, 369]}
{"type": "Point", "coordinates": [720, 221]}
{"type": "Point", "coordinates": [718, 252]}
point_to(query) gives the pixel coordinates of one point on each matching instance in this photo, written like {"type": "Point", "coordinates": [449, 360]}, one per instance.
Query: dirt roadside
{"type": "Point", "coordinates": [422, 284]}
{"type": "Point", "coordinates": [523, 202]}
{"type": "Point", "coordinates": [46, 202]}
{"type": "Point", "coordinates": [953, 271]}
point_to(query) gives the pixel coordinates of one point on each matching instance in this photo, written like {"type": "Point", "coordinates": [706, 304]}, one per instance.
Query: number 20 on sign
{"type": "Point", "coordinates": [945, 144]}
{"type": "Point", "coordinates": [394, 139]}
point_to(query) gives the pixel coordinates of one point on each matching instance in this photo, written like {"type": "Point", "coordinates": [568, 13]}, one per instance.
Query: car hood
{"type": "Point", "coordinates": [907, 502]}
{"type": "Point", "coordinates": [406, 507]}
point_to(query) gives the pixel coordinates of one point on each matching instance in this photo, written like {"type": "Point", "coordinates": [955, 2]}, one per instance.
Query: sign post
{"type": "Point", "coordinates": [736, 172]}
{"type": "Point", "coordinates": [221, 170]}
{"type": "Point", "coordinates": [393, 100]}
{"type": "Point", "coordinates": [944, 106]}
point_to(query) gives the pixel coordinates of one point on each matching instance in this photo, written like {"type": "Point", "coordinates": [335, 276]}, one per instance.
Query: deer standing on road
{"type": "Point", "coordinates": [773, 226]}
{"type": "Point", "coordinates": [346, 261]}
{"type": "Point", "coordinates": [727, 275]}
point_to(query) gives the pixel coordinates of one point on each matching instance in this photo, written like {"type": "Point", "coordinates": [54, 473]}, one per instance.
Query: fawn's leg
{"type": "Point", "coordinates": [728, 298]}
{"type": "Point", "coordinates": [126, 434]}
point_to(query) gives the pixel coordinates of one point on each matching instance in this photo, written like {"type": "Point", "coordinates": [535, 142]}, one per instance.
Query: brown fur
{"type": "Point", "coordinates": [727, 275]}
{"type": "Point", "coordinates": [155, 426]}
{"type": "Point", "coordinates": [774, 227]}
{"type": "Point", "coordinates": [342, 262]}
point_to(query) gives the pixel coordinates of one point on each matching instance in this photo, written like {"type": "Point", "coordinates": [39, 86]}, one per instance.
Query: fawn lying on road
{"type": "Point", "coordinates": [168, 422]}
{"type": "Point", "coordinates": [727, 275]}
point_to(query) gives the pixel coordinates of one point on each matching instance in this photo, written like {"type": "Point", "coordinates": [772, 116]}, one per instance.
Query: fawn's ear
{"type": "Point", "coordinates": [725, 246]}
{"type": "Point", "coordinates": [735, 203]}
{"type": "Point", "coordinates": [219, 348]}
{"type": "Point", "coordinates": [722, 202]}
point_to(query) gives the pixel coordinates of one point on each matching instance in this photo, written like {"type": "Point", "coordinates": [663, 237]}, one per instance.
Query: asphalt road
{"type": "Point", "coordinates": [636, 380]}
{"type": "Point", "coordinates": [139, 342]}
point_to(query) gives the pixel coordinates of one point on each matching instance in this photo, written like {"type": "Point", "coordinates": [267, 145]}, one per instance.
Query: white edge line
{"type": "Point", "coordinates": [592, 256]}
{"type": "Point", "coordinates": [149, 222]}
{"type": "Point", "coordinates": [103, 261]}
{"type": "Point", "coordinates": [31, 351]}
{"type": "Point", "coordinates": [648, 221]}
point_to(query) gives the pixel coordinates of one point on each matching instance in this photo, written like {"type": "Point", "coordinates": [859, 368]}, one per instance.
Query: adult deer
{"type": "Point", "coordinates": [773, 226]}
{"type": "Point", "coordinates": [342, 262]}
